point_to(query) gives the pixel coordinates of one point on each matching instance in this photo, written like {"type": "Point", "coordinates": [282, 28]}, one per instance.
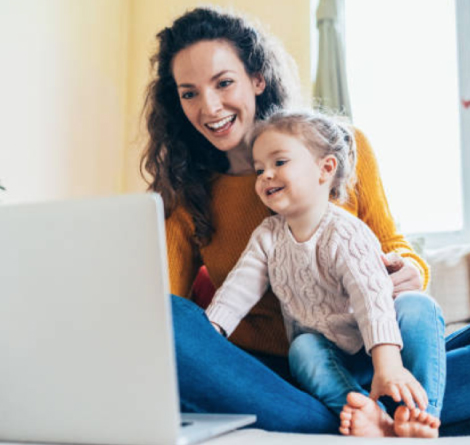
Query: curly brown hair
{"type": "Point", "coordinates": [181, 162]}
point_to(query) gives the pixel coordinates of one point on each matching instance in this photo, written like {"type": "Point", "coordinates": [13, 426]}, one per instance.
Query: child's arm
{"type": "Point", "coordinates": [365, 280]}
{"type": "Point", "coordinates": [219, 329]}
{"type": "Point", "coordinates": [392, 379]}
{"type": "Point", "coordinates": [370, 291]}
{"type": "Point", "coordinates": [245, 284]}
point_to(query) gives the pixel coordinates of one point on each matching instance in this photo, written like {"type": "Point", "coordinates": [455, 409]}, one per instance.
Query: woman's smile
{"type": "Point", "coordinates": [217, 95]}
{"type": "Point", "coordinates": [221, 126]}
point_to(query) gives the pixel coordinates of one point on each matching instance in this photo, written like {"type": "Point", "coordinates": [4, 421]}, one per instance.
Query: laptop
{"type": "Point", "coordinates": [86, 341]}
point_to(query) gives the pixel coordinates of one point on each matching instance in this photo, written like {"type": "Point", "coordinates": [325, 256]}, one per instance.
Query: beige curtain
{"type": "Point", "coordinates": [331, 87]}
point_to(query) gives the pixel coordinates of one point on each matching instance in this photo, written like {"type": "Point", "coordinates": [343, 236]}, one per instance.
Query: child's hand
{"type": "Point", "coordinates": [400, 385]}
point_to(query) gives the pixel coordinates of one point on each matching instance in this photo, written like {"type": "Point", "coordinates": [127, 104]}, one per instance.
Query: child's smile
{"type": "Point", "coordinates": [270, 191]}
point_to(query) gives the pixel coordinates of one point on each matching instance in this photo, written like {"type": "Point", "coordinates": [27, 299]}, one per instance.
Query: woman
{"type": "Point", "coordinates": [216, 76]}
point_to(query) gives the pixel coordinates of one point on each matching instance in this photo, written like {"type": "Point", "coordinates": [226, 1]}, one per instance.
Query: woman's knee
{"type": "Point", "coordinates": [414, 307]}
{"type": "Point", "coordinates": [182, 308]}
{"type": "Point", "coordinates": [190, 323]}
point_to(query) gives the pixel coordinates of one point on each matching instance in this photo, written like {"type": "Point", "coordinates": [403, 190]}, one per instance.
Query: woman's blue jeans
{"type": "Point", "coordinates": [330, 374]}
{"type": "Point", "coordinates": [216, 376]}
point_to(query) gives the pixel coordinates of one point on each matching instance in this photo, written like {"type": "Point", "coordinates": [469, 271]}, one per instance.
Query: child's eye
{"type": "Point", "coordinates": [225, 83]}
{"type": "Point", "coordinates": [259, 172]}
{"type": "Point", "coordinates": [188, 95]}
{"type": "Point", "coordinates": [280, 162]}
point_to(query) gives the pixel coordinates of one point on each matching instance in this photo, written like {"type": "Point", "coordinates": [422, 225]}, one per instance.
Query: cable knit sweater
{"type": "Point", "coordinates": [237, 211]}
{"type": "Point", "coordinates": [335, 283]}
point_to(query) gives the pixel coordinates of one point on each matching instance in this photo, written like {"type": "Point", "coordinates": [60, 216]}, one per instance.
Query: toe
{"type": "Point", "coordinates": [402, 414]}
{"type": "Point", "coordinates": [344, 431]}
{"type": "Point", "coordinates": [421, 416]}
{"type": "Point", "coordinates": [357, 400]}
{"type": "Point", "coordinates": [346, 415]}
{"type": "Point", "coordinates": [432, 421]}
{"type": "Point", "coordinates": [429, 419]}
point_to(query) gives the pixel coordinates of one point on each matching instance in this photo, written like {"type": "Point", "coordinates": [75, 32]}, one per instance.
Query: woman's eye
{"type": "Point", "coordinates": [188, 95]}
{"type": "Point", "coordinates": [259, 172]}
{"type": "Point", "coordinates": [225, 83]}
{"type": "Point", "coordinates": [280, 162]}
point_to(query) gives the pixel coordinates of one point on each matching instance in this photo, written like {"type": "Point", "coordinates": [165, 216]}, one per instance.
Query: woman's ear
{"type": "Point", "coordinates": [259, 84]}
{"type": "Point", "coordinates": [328, 166]}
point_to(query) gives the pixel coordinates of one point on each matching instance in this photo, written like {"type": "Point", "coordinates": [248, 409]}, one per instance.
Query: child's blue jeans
{"type": "Point", "coordinates": [329, 374]}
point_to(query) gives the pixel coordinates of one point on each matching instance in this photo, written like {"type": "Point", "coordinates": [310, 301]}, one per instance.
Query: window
{"type": "Point", "coordinates": [404, 60]}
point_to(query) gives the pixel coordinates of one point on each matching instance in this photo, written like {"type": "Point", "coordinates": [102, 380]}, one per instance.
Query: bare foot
{"type": "Point", "coordinates": [346, 419]}
{"type": "Point", "coordinates": [415, 423]}
{"type": "Point", "coordinates": [363, 417]}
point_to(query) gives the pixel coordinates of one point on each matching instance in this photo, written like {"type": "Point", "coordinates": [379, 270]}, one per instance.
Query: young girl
{"type": "Point", "coordinates": [325, 267]}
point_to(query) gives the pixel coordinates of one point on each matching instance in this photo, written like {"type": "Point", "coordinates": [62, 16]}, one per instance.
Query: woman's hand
{"type": "Point", "coordinates": [404, 274]}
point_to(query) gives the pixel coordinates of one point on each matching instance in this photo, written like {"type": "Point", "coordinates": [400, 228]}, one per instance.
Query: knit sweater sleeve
{"type": "Point", "coordinates": [245, 284]}
{"type": "Point", "coordinates": [183, 257]}
{"type": "Point", "coordinates": [374, 209]}
{"type": "Point", "coordinates": [367, 283]}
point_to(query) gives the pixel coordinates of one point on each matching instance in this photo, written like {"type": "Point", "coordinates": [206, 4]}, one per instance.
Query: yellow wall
{"type": "Point", "coordinates": [63, 97]}
{"type": "Point", "coordinates": [72, 86]}
{"type": "Point", "coordinates": [288, 20]}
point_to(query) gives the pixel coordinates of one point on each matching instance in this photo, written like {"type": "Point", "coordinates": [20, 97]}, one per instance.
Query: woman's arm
{"type": "Point", "coordinates": [373, 209]}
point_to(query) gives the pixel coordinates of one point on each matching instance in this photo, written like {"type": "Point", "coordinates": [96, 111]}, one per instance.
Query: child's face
{"type": "Point", "coordinates": [290, 177]}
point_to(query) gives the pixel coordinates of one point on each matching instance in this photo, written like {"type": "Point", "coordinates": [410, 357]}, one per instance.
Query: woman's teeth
{"type": "Point", "coordinates": [222, 123]}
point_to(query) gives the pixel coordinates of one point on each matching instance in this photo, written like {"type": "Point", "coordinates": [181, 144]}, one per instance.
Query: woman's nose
{"type": "Point", "coordinates": [211, 103]}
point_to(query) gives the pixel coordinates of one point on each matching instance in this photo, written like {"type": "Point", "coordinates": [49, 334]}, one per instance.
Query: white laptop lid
{"type": "Point", "coordinates": [85, 348]}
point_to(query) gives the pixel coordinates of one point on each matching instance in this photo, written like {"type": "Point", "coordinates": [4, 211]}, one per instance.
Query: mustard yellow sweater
{"type": "Point", "coordinates": [237, 211]}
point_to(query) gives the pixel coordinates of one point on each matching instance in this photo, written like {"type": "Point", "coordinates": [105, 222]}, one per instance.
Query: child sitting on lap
{"type": "Point", "coordinates": [325, 267]}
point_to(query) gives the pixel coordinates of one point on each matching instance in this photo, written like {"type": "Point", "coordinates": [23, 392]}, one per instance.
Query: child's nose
{"type": "Point", "coordinates": [268, 174]}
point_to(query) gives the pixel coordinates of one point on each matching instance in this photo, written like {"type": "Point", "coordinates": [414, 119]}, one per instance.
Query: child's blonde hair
{"type": "Point", "coordinates": [324, 135]}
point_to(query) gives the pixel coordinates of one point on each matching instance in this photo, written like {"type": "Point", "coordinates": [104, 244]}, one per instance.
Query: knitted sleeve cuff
{"type": "Point", "coordinates": [224, 317]}
{"type": "Point", "coordinates": [381, 332]}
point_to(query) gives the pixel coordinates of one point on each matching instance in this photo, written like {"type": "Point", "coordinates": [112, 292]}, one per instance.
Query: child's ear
{"type": "Point", "coordinates": [328, 166]}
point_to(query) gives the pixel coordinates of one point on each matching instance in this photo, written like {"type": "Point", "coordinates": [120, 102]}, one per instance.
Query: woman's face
{"type": "Point", "coordinates": [217, 95]}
